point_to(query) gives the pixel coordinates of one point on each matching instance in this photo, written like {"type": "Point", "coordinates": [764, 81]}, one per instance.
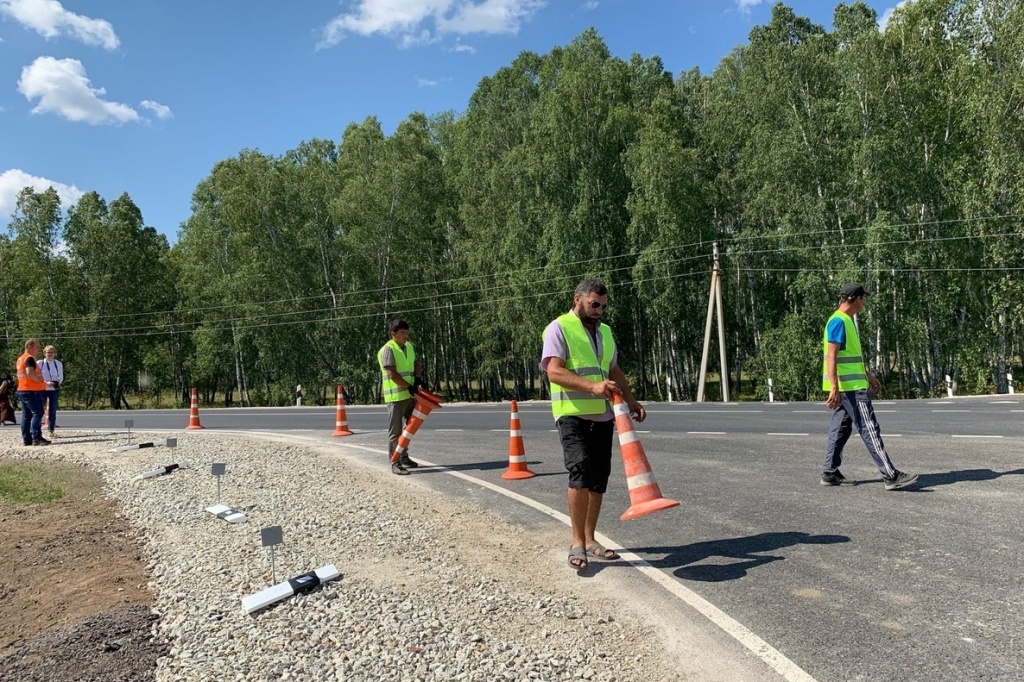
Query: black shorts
{"type": "Point", "coordinates": [587, 449]}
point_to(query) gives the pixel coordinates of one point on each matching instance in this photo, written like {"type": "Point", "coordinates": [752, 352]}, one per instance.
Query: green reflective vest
{"type": "Point", "coordinates": [849, 361]}
{"type": "Point", "coordinates": [405, 364]}
{"type": "Point", "coordinates": [582, 360]}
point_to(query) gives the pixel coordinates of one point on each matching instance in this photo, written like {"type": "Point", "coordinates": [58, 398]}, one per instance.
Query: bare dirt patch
{"type": "Point", "coordinates": [73, 598]}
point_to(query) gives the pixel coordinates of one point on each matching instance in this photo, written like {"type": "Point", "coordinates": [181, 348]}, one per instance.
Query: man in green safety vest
{"type": "Point", "coordinates": [847, 380]}
{"type": "Point", "coordinates": [401, 377]}
{"type": "Point", "coordinates": [581, 361]}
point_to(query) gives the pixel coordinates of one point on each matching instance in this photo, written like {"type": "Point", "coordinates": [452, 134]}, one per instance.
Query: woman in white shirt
{"type": "Point", "coordinates": [53, 375]}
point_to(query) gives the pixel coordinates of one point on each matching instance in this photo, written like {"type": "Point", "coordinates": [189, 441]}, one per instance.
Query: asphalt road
{"type": "Point", "coordinates": [852, 583]}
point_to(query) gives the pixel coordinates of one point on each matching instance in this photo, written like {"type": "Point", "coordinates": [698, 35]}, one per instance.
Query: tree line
{"type": "Point", "coordinates": [813, 156]}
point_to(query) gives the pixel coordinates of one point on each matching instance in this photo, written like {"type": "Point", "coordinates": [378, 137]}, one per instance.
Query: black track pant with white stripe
{"type": "Point", "coordinates": [856, 410]}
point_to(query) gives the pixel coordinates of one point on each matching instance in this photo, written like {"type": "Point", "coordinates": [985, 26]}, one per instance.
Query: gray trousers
{"type": "Point", "coordinates": [398, 415]}
{"type": "Point", "coordinates": [856, 410]}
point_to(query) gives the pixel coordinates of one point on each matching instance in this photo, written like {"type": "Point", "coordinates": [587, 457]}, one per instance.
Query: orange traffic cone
{"type": "Point", "coordinates": [425, 402]}
{"type": "Point", "coordinates": [644, 493]}
{"type": "Point", "coordinates": [193, 413]}
{"type": "Point", "coordinates": [340, 420]}
{"type": "Point", "coordinates": [517, 468]}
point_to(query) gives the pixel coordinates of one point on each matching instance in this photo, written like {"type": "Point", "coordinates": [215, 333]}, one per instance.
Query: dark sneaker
{"type": "Point", "coordinates": [40, 441]}
{"type": "Point", "coordinates": [29, 444]}
{"type": "Point", "coordinates": [836, 478]}
{"type": "Point", "coordinates": [900, 480]}
{"type": "Point", "coordinates": [397, 468]}
{"type": "Point", "coordinates": [407, 463]}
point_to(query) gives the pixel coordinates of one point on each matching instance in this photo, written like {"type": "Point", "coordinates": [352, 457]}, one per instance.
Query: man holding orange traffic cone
{"type": "Point", "coordinates": [581, 361]}
{"type": "Point", "coordinates": [401, 376]}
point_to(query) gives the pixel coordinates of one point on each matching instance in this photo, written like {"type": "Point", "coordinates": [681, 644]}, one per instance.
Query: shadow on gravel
{"type": "Point", "coordinates": [78, 439]}
{"type": "Point", "coordinates": [746, 551]}
{"type": "Point", "coordinates": [950, 477]}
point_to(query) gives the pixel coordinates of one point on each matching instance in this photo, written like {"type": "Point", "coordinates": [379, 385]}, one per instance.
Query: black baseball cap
{"type": "Point", "coordinates": [852, 290]}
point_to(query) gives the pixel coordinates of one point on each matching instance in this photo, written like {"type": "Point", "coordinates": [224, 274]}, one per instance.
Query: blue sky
{"type": "Point", "coordinates": [145, 96]}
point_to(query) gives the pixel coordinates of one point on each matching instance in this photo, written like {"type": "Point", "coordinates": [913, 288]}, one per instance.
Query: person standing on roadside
{"type": "Point", "coordinates": [581, 362]}
{"type": "Point", "coordinates": [52, 370]}
{"type": "Point", "coordinates": [401, 377]}
{"type": "Point", "coordinates": [846, 379]}
{"type": "Point", "coordinates": [31, 388]}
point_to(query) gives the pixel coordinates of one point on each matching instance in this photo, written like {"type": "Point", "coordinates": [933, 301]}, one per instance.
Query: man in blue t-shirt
{"type": "Point", "coordinates": [851, 406]}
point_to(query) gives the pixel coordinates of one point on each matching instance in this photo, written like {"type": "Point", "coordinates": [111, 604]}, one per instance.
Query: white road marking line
{"type": "Point", "coordinates": [950, 410]}
{"type": "Point", "coordinates": [971, 436]}
{"type": "Point", "coordinates": [894, 435]}
{"type": "Point", "coordinates": [495, 430]}
{"type": "Point", "coordinates": [639, 431]}
{"type": "Point", "coordinates": [706, 433]}
{"type": "Point", "coordinates": [880, 411]}
{"type": "Point", "coordinates": [1003, 402]}
{"type": "Point", "coordinates": [787, 434]}
{"type": "Point", "coordinates": [449, 430]}
{"type": "Point", "coordinates": [722, 411]}
{"type": "Point", "coordinates": [771, 656]}
{"type": "Point", "coordinates": [809, 411]}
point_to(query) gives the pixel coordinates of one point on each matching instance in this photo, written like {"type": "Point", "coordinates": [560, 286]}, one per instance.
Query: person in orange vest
{"type": "Point", "coordinates": [31, 388]}
{"type": "Point", "coordinates": [580, 360]}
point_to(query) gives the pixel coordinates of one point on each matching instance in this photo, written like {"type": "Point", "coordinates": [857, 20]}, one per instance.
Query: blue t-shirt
{"type": "Point", "coordinates": [837, 332]}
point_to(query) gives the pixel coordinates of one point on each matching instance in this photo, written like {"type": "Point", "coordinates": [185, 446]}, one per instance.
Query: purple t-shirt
{"type": "Point", "coordinates": [556, 347]}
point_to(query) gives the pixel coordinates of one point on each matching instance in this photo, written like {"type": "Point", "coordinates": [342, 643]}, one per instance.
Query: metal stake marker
{"type": "Point", "coordinates": [128, 424]}
{"type": "Point", "coordinates": [218, 470]}
{"type": "Point", "coordinates": [271, 536]}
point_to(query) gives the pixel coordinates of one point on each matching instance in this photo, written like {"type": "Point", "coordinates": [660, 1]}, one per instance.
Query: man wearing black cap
{"type": "Point", "coordinates": [846, 379]}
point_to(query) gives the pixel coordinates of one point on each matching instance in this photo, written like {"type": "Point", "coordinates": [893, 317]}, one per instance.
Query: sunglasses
{"type": "Point", "coordinates": [596, 305]}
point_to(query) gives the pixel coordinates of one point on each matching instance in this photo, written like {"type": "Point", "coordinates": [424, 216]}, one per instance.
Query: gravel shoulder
{"type": "Point", "coordinates": [431, 588]}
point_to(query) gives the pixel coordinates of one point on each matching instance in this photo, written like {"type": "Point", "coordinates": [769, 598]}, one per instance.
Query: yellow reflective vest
{"type": "Point", "coordinates": [850, 368]}
{"type": "Point", "coordinates": [405, 365]}
{"type": "Point", "coordinates": [583, 361]}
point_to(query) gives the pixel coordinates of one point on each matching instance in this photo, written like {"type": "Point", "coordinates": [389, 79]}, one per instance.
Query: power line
{"type": "Point", "coordinates": [408, 311]}
{"type": "Point", "coordinates": [181, 327]}
{"type": "Point", "coordinates": [452, 281]}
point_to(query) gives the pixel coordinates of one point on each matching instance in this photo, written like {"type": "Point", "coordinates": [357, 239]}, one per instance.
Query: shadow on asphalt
{"type": "Point", "coordinates": [478, 466]}
{"type": "Point", "coordinates": [747, 551]}
{"type": "Point", "coordinates": [964, 475]}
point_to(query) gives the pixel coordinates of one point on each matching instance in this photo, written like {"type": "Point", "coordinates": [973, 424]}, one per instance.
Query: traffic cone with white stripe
{"type": "Point", "coordinates": [340, 419]}
{"type": "Point", "coordinates": [193, 412]}
{"type": "Point", "coordinates": [644, 493]}
{"type": "Point", "coordinates": [517, 468]}
{"type": "Point", "coordinates": [425, 402]}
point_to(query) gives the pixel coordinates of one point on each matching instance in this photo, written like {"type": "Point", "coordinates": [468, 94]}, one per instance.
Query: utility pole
{"type": "Point", "coordinates": [714, 301]}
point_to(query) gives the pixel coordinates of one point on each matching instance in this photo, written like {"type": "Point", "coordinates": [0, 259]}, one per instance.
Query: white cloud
{"type": "Point", "coordinates": [431, 82]}
{"type": "Point", "coordinates": [162, 111]}
{"type": "Point", "coordinates": [462, 47]}
{"type": "Point", "coordinates": [49, 19]}
{"type": "Point", "coordinates": [14, 180]}
{"type": "Point", "coordinates": [489, 16]}
{"type": "Point", "coordinates": [745, 5]}
{"type": "Point", "coordinates": [887, 14]}
{"type": "Point", "coordinates": [62, 88]}
{"type": "Point", "coordinates": [591, 4]}
{"type": "Point", "coordinates": [415, 22]}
